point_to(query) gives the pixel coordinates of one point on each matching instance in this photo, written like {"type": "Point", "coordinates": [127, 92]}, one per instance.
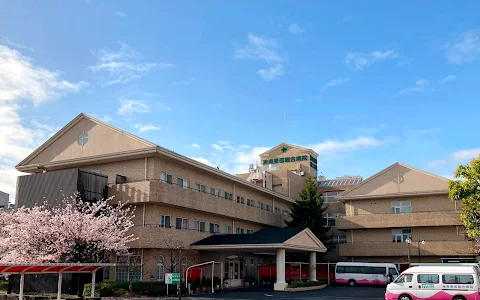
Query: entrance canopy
{"type": "Point", "coordinates": [293, 239]}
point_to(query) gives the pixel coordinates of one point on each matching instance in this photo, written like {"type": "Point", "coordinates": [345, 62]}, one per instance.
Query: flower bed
{"type": "Point", "coordinates": [298, 286]}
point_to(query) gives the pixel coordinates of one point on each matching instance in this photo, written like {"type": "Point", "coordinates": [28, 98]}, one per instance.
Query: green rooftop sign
{"type": "Point", "coordinates": [281, 160]}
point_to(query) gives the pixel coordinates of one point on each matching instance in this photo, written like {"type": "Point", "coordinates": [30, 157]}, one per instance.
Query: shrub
{"type": "Point", "coordinates": [300, 283]}
{"type": "Point", "coordinates": [119, 289]}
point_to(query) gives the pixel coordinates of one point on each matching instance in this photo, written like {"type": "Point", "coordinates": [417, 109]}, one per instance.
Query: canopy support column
{"type": "Point", "coordinates": [313, 266]}
{"type": "Point", "coordinates": [93, 285]}
{"type": "Point", "coordinates": [22, 283]}
{"type": "Point", "coordinates": [59, 287]}
{"type": "Point", "coordinates": [280, 285]}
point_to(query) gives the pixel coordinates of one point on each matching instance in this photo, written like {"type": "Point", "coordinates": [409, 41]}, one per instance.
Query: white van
{"type": "Point", "coordinates": [436, 282]}
{"type": "Point", "coordinates": [354, 273]}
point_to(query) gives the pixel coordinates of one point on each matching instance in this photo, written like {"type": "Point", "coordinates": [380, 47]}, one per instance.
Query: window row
{"type": "Point", "coordinates": [330, 197]}
{"type": "Point", "coordinates": [435, 278]}
{"type": "Point", "coordinates": [401, 207]}
{"type": "Point", "coordinates": [339, 239]}
{"type": "Point", "coordinates": [401, 235]}
{"type": "Point", "coordinates": [200, 226]}
{"type": "Point", "coordinates": [185, 183]}
{"type": "Point", "coordinates": [330, 219]}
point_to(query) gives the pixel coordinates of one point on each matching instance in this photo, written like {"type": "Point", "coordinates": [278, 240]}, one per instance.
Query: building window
{"type": "Point", "coordinates": [215, 192]}
{"type": "Point", "coordinates": [339, 239]}
{"type": "Point", "coordinates": [199, 226]}
{"type": "Point", "coordinates": [240, 199]}
{"type": "Point", "coordinates": [261, 205]}
{"type": "Point", "coordinates": [128, 268]}
{"type": "Point", "coordinates": [214, 228]}
{"type": "Point", "coordinates": [201, 188]}
{"type": "Point", "coordinates": [278, 211]}
{"type": "Point", "coordinates": [401, 235]}
{"type": "Point", "coordinates": [164, 221]}
{"type": "Point", "coordinates": [249, 231]}
{"type": "Point", "coordinates": [181, 223]}
{"type": "Point", "coordinates": [268, 208]}
{"type": "Point", "coordinates": [161, 268]}
{"type": "Point", "coordinates": [330, 220]}
{"type": "Point", "coordinates": [164, 177]}
{"type": "Point", "coordinates": [285, 213]}
{"type": "Point", "coordinates": [227, 229]}
{"type": "Point", "coordinates": [183, 183]}
{"type": "Point", "coordinates": [121, 179]}
{"type": "Point", "coordinates": [250, 202]}
{"type": "Point", "coordinates": [240, 230]}
{"type": "Point", "coordinates": [228, 196]}
{"type": "Point", "coordinates": [330, 197]}
{"type": "Point", "coordinates": [401, 207]}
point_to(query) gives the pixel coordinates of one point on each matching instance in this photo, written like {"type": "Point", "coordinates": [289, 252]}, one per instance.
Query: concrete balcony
{"type": "Point", "coordinates": [159, 237]}
{"type": "Point", "coordinates": [430, 248]}
{"type": "Point", "coordinates": [426, 219]}
{"type": "Point", "coordinates": [171, 194]}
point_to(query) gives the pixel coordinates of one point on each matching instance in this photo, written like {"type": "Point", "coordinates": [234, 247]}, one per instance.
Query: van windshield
{"type": "Point", "coordinates": [392, 272]}
{"type": "Point", "coordinates": [404, 278]}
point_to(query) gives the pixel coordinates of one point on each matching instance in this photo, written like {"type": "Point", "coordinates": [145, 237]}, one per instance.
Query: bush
{"type": "Point", "coordinates": [300, 283]}
{"type": "Point", "coordinates": [142, 288]}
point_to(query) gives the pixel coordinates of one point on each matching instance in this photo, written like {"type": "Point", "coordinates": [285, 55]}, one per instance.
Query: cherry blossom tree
{"type": "Point", "coordinates": [75, 231]}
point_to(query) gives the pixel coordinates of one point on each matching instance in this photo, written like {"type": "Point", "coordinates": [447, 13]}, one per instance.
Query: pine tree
{"type": "Point", "coordinates": [308, 211]}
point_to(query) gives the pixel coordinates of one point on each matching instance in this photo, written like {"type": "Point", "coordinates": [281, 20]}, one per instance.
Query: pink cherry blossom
{"type": "Point", "coordinates": [74, 231]}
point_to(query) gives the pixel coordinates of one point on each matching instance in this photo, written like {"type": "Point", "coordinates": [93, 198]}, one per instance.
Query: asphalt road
{"type": "Point", "coordinates": [329, 293]}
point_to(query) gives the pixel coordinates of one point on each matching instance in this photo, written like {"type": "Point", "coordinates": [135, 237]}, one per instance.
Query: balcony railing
{"type": "Point", "coordinates": [172, 194]}
{"type": "Point", "coordinates": [430, 248]}
{"type": "Point", "coordinates": [420, 219]}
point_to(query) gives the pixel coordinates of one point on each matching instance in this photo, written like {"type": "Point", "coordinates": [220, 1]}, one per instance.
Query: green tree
{"type": "Point", "coordinates": [467, 190]}
{"type": "Point", "coordinates": [308, 211]}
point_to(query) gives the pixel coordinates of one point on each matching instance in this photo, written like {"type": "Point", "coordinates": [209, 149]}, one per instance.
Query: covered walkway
{"type": "Point", "coordinates": [51, 268]}
{"type": "Point", "coordinates": [277, 241]}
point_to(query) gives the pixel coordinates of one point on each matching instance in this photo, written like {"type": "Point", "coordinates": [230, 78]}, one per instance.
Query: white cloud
{"type": "Point", "coordinates": [329, 147]}
{"type": "Point", "coordinates": [295, 29]}
{"type": "Point", "coordinates": [419, 87]}
{"type": "Point", "coordinates": [124, 65]}
{"type": "Point", "coordinates": [359, 61]}
{"type": "Point", "coordinates": [194, 146]}
{"type": "Point", "coordinates": [334, 82]}
{"type": "Point", "coordinates": [217, 147]}
{"type": "Point", "coordinates": [339, 117]}
{"type": "Point", "coordinates": [146, 127]}
{"type": "Point", "coordinates": [120, 14]}
{"type": "Point", "coordinates": [6, 41]}
{"type": "Point", "coordinates": [264, 49]}
{"type": "Point", "coordinates": [347, 18]}
{"type": "Point", "coordinates": [448, 79]}
{"type": "Point", "coordinates": [466, 49]}
{"type": "Point", "coordinates": [20, 79]}
{"type": "Point", "coordinates": [454, 159]}
{"type": "Point", "coordinates": [107, 119]}
{"type": "Point", "coordinates": [128, 107]}
{"type": "Point", "coordinates": [203, 161]}
{"type": "Point", "coordinates": [271, 73]}
{"type": "Point", "coordinates": [259, 48]}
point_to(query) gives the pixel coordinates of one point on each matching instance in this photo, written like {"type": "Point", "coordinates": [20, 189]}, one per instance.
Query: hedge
{"type": "Point", "coordinates": [299, 283]}
{"type": "Point", "coordinates": [118, 289]}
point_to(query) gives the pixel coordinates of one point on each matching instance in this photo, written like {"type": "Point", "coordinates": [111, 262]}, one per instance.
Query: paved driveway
{"type": "Point", "coordinates": [329, 293]}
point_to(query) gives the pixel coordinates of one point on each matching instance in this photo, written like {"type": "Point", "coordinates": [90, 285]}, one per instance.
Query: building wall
{"type": "Point", "coordinates": [434, 203]}
{"type": "Point", "coordinates": [4, 200]}
{"type": "Point", "coordinates": [292, 166]}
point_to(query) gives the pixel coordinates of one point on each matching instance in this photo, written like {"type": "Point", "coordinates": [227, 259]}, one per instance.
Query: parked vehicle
{"type": "Point", "coordinates": [354, 273]}
{"type": "Point", "coordinates": [450, 282]}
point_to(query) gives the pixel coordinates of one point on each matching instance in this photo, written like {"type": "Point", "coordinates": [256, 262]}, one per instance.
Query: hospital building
{"type": "Point", "coordinates": [188, 213]}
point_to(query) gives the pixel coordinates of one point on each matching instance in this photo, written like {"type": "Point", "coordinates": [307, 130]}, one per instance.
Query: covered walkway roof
{"type": "Point", "coordinates": [293, 238]}
{"type": "Point", "coordinates": [12, 268]}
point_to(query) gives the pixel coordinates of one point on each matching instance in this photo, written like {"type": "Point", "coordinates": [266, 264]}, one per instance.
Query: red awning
{"type": "Point", "coordinates": [12, 268]}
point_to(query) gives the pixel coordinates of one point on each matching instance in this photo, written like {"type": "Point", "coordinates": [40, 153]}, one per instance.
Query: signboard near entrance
{"type": "Point", "coordinates": [172, 278]}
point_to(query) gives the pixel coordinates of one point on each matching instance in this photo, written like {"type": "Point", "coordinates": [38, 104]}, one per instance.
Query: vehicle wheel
{"type": "Point", "coordinates": [351, 282]}
{"type": "Point", "coordinates": [458, 298]}
{"type": "Point", "coordinates": [404, 297]}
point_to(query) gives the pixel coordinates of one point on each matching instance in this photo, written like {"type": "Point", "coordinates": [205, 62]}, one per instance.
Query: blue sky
{"type": "Point", "coordinates": [364, 83]}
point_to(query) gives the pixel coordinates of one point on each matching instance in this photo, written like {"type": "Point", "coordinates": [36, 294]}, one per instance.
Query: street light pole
{"type": "Point", "coordinates": [408, 241]}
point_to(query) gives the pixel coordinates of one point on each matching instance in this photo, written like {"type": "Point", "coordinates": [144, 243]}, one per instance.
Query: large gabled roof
{"type": "Point", "coordinates": [369, 179]}
{"type": "Point", "coordinates": [288, 145]}
{"type": "Point", "coordinates": [72, 123]}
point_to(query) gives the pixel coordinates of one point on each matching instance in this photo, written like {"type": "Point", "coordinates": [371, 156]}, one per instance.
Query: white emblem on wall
{"type": "Point", "coordinates": [82, 138]}
{"type": "Point", "coordinates": [399, 179]}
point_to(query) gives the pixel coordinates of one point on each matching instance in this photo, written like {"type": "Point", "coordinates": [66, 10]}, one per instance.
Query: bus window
{"type": "Point", "coordinates": [340, 269]}
{"type": "Point", "coordinates": [428, 278]}
{"type": "Point", "coordinates": [457, 279]}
